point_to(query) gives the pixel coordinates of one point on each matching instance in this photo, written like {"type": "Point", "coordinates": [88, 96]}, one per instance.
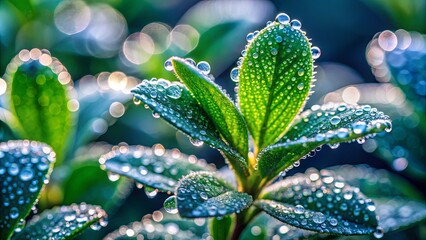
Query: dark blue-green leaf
{"type": "Point", "coordinates": [153, 167]}
{"type": "Point", "coordinates": [274, 81]}
{"type": "Point", "coordinates": [25, 166]}
{"type": "Point", "coordinates": [218, 106]}
{"type": "Point", "coordinates": [175, 104]}
{"type": "Point", "coordinates": [202, 194]}
{"type": "Point", "coordinates": [64, 222]}
{"type": "Point", "coordinates": [326, 124]}
{"type": "Point", "coordinates": [320, 201]}
{"type": "Point", "coordinates": [39, 96]}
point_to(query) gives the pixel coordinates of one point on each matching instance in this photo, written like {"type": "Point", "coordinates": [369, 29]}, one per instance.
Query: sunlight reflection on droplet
{"type": "Point", "coordinates": [185, 37]}
{"type": "Point", "coordinates": [138, 48]}
{"type": "Point", "coordinates": [160, 35]}
{"type": "Point", "coordinates": [72, 17]}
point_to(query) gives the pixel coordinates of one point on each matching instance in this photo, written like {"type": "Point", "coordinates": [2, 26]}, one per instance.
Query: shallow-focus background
{"type": "Point", "coordinates": [135, 38]}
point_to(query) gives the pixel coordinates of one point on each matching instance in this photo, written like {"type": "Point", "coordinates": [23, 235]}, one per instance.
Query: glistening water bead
{"type": "Point", "coordinates": [170, 205]}
{"type": "Point", "coordinates": [204, 67]}
{"type": "Point", "coordinates": [234, 74]}
{"type": "Point", "coordinates": [296, 24]}
{"type": "Point", "coordinates": [282, 18]}
{"type": "Point", "coordinates": [316, 52]}
{"type": "Point", "coordinates": [168, 65]}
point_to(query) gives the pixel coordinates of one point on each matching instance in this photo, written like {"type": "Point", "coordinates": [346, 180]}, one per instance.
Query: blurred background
{"type": "Point", "coordinates": [108, 45]}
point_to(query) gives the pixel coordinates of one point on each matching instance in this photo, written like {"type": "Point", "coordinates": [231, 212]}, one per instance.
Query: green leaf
{"type": "Point", "coordinates": [161, 225]}
{"type": "Point", "coordinates": [397, 213]}
{"type": "Point", "coordinates": [265, 227]}
{"type": "Point", "coordinates": [38, 97]}
{"type": "Point", "coordinates": [25, 166]}
{"type": "Point", "coordinates": [320, 201]}
{"type": "Point", "coordinates": [88, 183]}
{"type": "Point", "coordinates": [216, 103]}
{"type": "Point", "coordinates": [202, 194]}
{"type": "Point", "coordinates": [221, 228]}
{"type": "Point", "coordinates": [7, 124]}
{"type": "Point", "coordinates": [274, 81]}
{"type": "Point", "coordinates": [174, 103]}
{"type": "Point", "coordinates": [327, 124]}
{"type": "Point", "coordinates": [156, 168]}
{"type": "Point", "coordinates": [64, 222]}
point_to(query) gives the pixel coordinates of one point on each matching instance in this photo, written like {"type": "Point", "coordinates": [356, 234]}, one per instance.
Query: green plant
{"type": "Point", "coordinates": [260, 137]}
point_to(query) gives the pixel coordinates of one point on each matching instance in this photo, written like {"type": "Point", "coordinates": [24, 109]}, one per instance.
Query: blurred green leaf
{"type": "Point", "coordinates": [326, 124]}
{"type": "Point", "coordinates": [64, 222]}
{"type": "Point", "coordinates": [221, 228]}
{"type": "Point", "coordinates": [319, 201]}
{"type": "Point", "coordinates": [25, 166]}
{"type": "Point", "coordinates": [216, 103]}
{"type": "Point", "coordinates": [39, 99]}
{"type": "Point", "coordinates": [274, 81]}
{"type": "Point", "coordinates": [156, 168]}
{"type": "Point", "coordinates": [174, 103]}
{"type": "Point", "coordinates": [7, 121]}
{"type": "Point", "coordinates": [202, 194]}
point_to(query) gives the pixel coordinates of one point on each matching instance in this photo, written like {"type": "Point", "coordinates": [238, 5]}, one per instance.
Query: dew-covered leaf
{"type": "Point", "coordinates": [64, 222]}
{"type": "Point", "coordinates": [320, 201]}
{"type": "Point", "coordinates": [397, 213]}
{"type": "Point", "coordinates": [174, 103]}
{"type": "Point", "coordinates": [327, 124]}
{"type": "Point", "coordinates": [202, 194]}
{"type": "Point", "coordinates": [25, 167]}
{"type": "Point", "coordinates": [39, 96]}
{"type": "Point", "coordinates": [160, 225]}
{"type": "Point", "coordinates": [265, 227]}
{"type": "Point", "coordinates": [274, 80]}
{"type": "Point", "coordinates": [221, 228]}
{"type": "Point", "coordinates": [218, 106]}
{"type": "Point", "coordinates": [153, 167]}
{"type": "Point", "coordinates": [86, 182]}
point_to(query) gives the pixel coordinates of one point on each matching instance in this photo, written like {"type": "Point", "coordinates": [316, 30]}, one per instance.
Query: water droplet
{"type": "Point", "coordinates": [196, 142]}
{"type": "Point", "coordinates": [174, 91]}
{"type": "Point", "coordinates": [333, 222]}
{"type": "Point", "coordinates": [170, 205]}
{"type": "Point", "coordinates": [14, 213]}
{"type": "Point", "coordinates": [334, 145]}
{"type": "Point", "coordinates": [250, 37]}
{"type": "Point", "coordinates": [13, 169]}
{"type": "Point", "coordinates": [150, 192]}
{"type": "Point", "coordinates": [335, 120]}
{"type": "Point", "coordinates": [191, 61]}
{"type": "Point", "coordinates": [234, 74]}
{"type": "Point", "coordinates": [316, 52]}
{"type": "Point", "coordinates": [318, 217]}
{"type": "Point", "coordinates": [255, 55]}
{"type": "Point", "coordinates": [113, 176]}
{"type": "Point", "coordinates": [379, 232]}
{"type": "Point", "coordinates": [300, 86]}
{"type": "Point", "coordinates": [282, 18]}
{"type": "Point", "coordinates": [136, 101]}
{"type": "Point", "coordinates": [203, 195]}
{"type": "Point", "coordinates": [296, 24]}
{"type": "Point", "coordinates": [278, 39]}
{"type": "Point", "coordinates": [274, 51]}
{"type": "Point", "coordinates": [20, 226]}
{"type": "Point", "coordinates": [96, 226]}
{"type": "Point", "coordinates": [204, 67]}
{"type": "Point", "coordinates": [359, 127]}
{"type": "Point", "coordinates": [301, 72]}
{"type": "Point", "coordinates": [26, 174]}
{"type": "Point", "coordinates": [299, 209]}
{"type": "Point", "coordinates": [168, 65]}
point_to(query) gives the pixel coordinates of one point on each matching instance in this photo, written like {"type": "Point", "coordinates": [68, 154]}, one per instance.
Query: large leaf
{"type": "Point", "coordinates": [65, 222]}
{"type": "Point", "coordinates": [202, 194]}
{"type": "Point", "coordinates": [157, 168]}
{"type": "Point", "coordinates": [25, 167]}
{"type": "Point", "coordinates": [274, 81]}
{"type": "Point", "coordinates": [161, 225]}
{"type": "Point", "coordinates": [39, 96]}
{"type": "Point", "coordinates": [320, 201]}
{"type": "Point", "coordinates": [216, 103]}
{"type": "Point", "coordinates": [174, 103]}
{"type": "Point", "coordinates": [326, 124]}
{"type": "Point", "coordinates": [221, 228]}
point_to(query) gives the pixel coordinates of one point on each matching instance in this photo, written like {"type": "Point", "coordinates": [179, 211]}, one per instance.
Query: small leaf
{"type": "Point", "coordinates": [397, 213]}
{"type": "Point", "coordinates": [161, 225]}
{"type": "Point", "coordinates": [174, 103]}
{"type": "Point", "coordinates": [202, 194]}
{"type": "Point", "coordinates": [327, 124]}
{"type": "Point", "coordinates": [39, 96]}
{"type": "Point", "coordinates": [25, 166]}
{"type": "Point", "coordinates": [7, 124]}
{"type": "Point", "coordinates": [218, 106]}
{"type": "Point", "coordinates": [318, 201]}
{"type": "Point", "coordinates": [274, 81]}
{"type": "Point", "coordinates": [221, 228]}
{"type": "Point", "coordinates": [156, 168]}
{"type": "Point", "coordinates": [65, 222]}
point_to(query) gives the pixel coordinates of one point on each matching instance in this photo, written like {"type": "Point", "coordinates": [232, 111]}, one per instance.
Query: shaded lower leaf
{"type": "Point", "coordinates": [218, 106]}
{"type": "Point", "coordinates": [174, 103]}
{"type": "Point", "coordinates": [25, 167]}
{"type": "Point", "coordinates": [153, 167]}
{"type": "Point", "coordinates": [202, 194]}
{"type": "Point", "coordinates": [161, 225]}
{"type": "Point", "coordinates": [221, 228]}
{"type": "Point", "coordinates": [320, 201]}
{"type": "Point", "coordinates": [397, 213]}
{"type": "Point", "coordinates": [327, 124]}
{"type": "Point", "coordinates": [65, 222]}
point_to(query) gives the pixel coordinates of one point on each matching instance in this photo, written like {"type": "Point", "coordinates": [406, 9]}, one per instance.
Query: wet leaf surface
{"type": "Point", "coordinates": [25, 167]}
